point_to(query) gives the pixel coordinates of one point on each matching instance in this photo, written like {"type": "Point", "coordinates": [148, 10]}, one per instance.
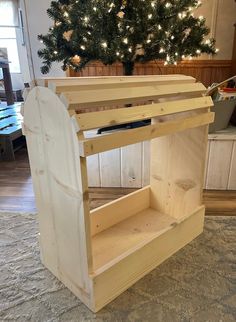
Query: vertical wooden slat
{"type": "Point", "coordinates": [232, 173]}
{"type": "Point", "coordinates": [207, 162]}
{"type": "Point", "coordinates": [131, 166]}
{"type": "Point", "coordinates": [219, 164]}
{"type": "Point", "coordinates": [94, 179]}
{"type": "Point", "coordinates": [146, 163]}
{"type": "Point", "coordinates": [110, 168]}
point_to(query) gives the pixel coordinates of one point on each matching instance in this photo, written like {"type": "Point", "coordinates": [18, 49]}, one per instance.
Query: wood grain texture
{"type": "Point", "coordinates": [135, 94]}
{"type": "Point", "coordinates": [220, 154]}
{"type": "Point", "coordinates": [94, 171]}
{"type": "Point", "coordinates": [119, 139]}
{"type": "Point", "coordinates": [59, 177]}
{"type": "Point", "coordinates": [232, 170]}
{"type": "Point", "coordinates": [131, 163]}
{"type": "Point", "coordinates": [93, 120]}
{"type": "Point", "coordinates": [74, 84]}
{"type": "Point", "coordinates": [177, 169]}
{"type": "Point", "coordinates": [110, 168]}
{"type": "Point", "coordinates": [120, 209]}
{"type": "Point", "coordinates": [205, 71]}
{"type": "Point", "coordinates": [59, 84]}
{"type": "Point", "coordinates": [129, 269]}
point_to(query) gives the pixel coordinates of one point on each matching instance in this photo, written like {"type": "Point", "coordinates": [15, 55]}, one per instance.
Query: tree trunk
{"type": "Point", "coordinates": [128, 68]}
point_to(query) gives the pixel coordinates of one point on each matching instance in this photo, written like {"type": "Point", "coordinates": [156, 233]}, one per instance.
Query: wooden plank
{"type": "Point", "coordinates": [61, 198]}
{"type": "Point", "coordinates": [126, 236]}
{"type": "Point", "coordinates": [134, 94]}
{"type": "Point", "coordinates": [232, 173]}
{"type": "Point", "coordinates": [130, 269]}
{"type": "Point", "coordinates": [14, 130]}
{"type": "Point", "coordinates": [93, 162]}
{"type": "Point", "coordinates": [207, 163]}
{"type": "Point", "coordinates": [146, 153]}
{"type": "Point", "coordinates": [94, 174]}
{"type": "Point", "coordinates": [219, 164]}
{"type": "Point", "coordinates": [105, 79]}
{"type": "Point", "coordinates": [88, 121]}
{"type": "Point", "coordinates": [124, 138]}
{"type": "Point", "coordinates": [60, 86]}
{"type": "Point", "coordinates": [131, 166]}
{"type": "Point", "coordinates": [9, 120]}
{"type": "Point", "coordinates": [177, 170]}
{"type": "Point", "coordinates": [8, 112]}
{"type": "Point", "coordinates": [116, 211]}
{"type": "Point", "coordinates": [110, 168]}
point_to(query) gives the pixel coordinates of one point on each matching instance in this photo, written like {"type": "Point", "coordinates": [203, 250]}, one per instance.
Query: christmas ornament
{"type": "Point", "coordinates": [121, 14]}
{"type": "Point", "coordinates": [67, 35]}
{"type": "Point", "coordinates": [76, 59]}
{"type": "Point", "coordinates": [139, 50]}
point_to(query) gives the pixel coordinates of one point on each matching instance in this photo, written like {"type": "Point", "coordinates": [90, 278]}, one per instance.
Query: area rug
{"type": "Point", "coordinates": [197, 284]}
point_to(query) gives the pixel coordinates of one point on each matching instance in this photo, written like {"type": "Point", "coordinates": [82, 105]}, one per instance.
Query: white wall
{"type": "Point", "coordinates": [38, 22]}
{"type": "Point", "coordinates": [221, 17]}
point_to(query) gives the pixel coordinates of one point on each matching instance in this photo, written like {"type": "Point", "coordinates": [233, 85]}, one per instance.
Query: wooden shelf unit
{"type": "Point", "coordinates": [99, 254]}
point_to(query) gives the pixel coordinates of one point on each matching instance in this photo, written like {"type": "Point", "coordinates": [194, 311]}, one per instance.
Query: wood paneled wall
{"type": "Point", "coordinates": [129, 167]}
{"type": "Point", "coordinates": [205, 71]}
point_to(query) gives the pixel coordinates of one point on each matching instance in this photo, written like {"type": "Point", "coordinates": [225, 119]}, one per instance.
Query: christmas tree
{"type": "Point", "coordinates": [125, 31]}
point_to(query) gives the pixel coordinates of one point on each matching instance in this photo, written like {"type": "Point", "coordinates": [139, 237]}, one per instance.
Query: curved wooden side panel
{"type": "Point", "coordinates": [62, 203]}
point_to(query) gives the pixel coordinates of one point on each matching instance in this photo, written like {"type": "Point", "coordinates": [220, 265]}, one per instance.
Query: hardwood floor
{"type": "Point", "coordinates": [16, 191]}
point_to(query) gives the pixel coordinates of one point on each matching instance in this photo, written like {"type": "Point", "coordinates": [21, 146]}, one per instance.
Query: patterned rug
{"type": "Point", "coordinates": [197, 284]}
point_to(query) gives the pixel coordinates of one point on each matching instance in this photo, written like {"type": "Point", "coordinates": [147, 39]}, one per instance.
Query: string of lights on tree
{"type": "Point", "coordinates": [125, 31]}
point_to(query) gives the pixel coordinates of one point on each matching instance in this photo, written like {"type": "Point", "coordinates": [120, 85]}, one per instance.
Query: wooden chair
{"type": "Point", "coordinates": [99, 254]}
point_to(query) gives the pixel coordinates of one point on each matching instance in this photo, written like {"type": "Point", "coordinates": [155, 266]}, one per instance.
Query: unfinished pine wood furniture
{"type": "Point", "coordinates": [129, 167]}
{"type": "Point", "coordinates": [98, 254]}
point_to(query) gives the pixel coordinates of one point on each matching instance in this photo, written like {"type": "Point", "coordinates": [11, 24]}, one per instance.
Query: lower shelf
{"type": "Point", "coordinates": [159, 238]}
{"type": "Point", "coordinates": [125, 237]}
{"type": "Point", "coordinates": [129, 240]}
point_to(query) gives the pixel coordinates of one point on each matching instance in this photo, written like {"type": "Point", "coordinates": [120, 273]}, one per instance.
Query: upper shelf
{"type": "Point", "coordinates": [154, 96]}
{"type": "Point", "coordinates": [116, 96]}
{"type": "Point", "coordinates": [64, 84]}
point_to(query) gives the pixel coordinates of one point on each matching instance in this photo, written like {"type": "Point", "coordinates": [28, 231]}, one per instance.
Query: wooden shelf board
{"type": "Point", "coordinates": [124, 238]}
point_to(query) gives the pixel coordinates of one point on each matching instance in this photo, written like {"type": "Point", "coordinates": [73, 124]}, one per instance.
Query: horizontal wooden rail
{"type": "Point", "coordinates": [121, 209]}
{"type": "Point", "coordinates": [93, 120]}
{"type": "Point", "coordinates": [59, 87]}
{"type": "Point", "coordinates": [45, 82]}
{"type": "Point", "coordinates": [112, 141]}
{"type": "Point", "coordinates": [128, 95]}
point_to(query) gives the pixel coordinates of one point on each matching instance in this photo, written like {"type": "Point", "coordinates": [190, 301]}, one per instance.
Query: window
{"type": "Point", "coordinates": [8, 40]}
{"type": "Point", "coordinates": [8, 25]}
